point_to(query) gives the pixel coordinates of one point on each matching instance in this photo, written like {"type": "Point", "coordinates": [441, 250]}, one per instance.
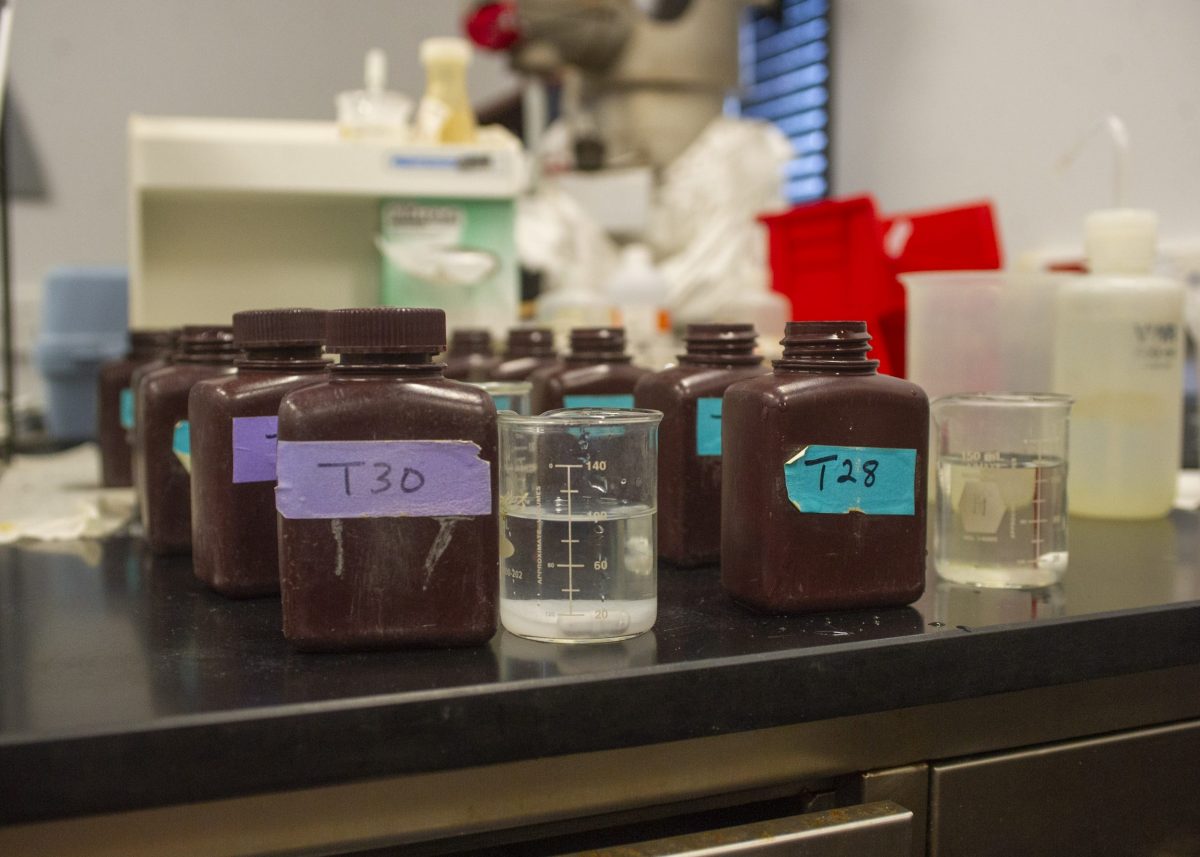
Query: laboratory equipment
{"type": "Point", "coordinates": [445, 114]}
{"type": "Point", "coordinates": [578, 558]}
{"type": "Point", "coordinates": [596, 373]}
{"type": "Point", "coordinates": [1119, 348]}
{"type": "Point", "coordinates": [823, 478]}
{"type": "Point", "coordinates": [374, 110]}
{"type": "Point", "coordinates": [161, 434]}
{"type": "Point", "coordinates": [982, 331]}
{"type": "Point", "coordinates": [527, 350]}
{"type": "Point", "coordinates": [689, 461]}
{"type": "Point", "coordinates": [84, 312]}
{"type": "Point", "coordinates": [508, 395]}
{"type": "Point", "coordinates": [115, 414]}
{"type": "Point", "coordinates": [1001, 488]}
{"type": "Point", "coordinates": [470, 356]}
{"type": "Point", "coordinates": [234, 424]}
{"type": "Point", "coordinates": [961, 605]}
{"type": "Point", "coordinates": [386, 478]}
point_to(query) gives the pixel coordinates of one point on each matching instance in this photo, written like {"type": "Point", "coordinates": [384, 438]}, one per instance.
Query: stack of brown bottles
{"type": "Point", "coordinates": [116, 403]}
{"type": "Point", "coordinates": [162, 436]}
{"type": "Point", "coordinates": [388, 533]}
{"type": "Point", "coordinates": [234, 426]}
{"type": "Point", "coordinates": [597, 373]}
{"type": "Point", "coordinates": [689, 457]}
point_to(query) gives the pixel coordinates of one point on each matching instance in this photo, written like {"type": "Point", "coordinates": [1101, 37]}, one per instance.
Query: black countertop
{"type": "Point", "coordinates": [119, 671]}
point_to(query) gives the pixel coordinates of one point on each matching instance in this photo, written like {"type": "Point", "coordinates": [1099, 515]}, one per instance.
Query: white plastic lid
{"type": "Point", "coordinates": [375, 70]}
{"type": "Point", "coordinates": [1121, 240]}
{"type": "Point", "coordinates": [445, 49]}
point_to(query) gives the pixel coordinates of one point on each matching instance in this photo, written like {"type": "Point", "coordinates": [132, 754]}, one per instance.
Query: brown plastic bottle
{"type": "Point", "coordinates": [689, 453]}
{"type": "Point", "coordinates": [234, 425]}
{"type": "Point", "coordinates": [597, 373]}
{"type": "Point", "coordinates": [470, 356]}
{"type": "Point", "coordinates": [367, 558]}
{"type": "Point", "coordinates": [528, 349]}
{"type": "Point", "coordinates": [164, 489]}
{"type": "Point", "coordinates": [823, 500]}
{"type": "Point", "coordinates": [116, 406]}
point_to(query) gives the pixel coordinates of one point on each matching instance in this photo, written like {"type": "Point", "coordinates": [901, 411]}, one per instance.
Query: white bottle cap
{"type": "Point", "coordinates": [375, 70]}
{"type": "Point", "coordinates": [1121, 241]}
{"type": "Point", "coordinates": [445, 49]}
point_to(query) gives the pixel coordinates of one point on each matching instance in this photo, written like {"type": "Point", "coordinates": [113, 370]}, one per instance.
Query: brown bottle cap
{"type": "Point", "coordinates": [143, 339]}
{"type": "Point", "coordinates": [722, 342]}
{"type": "Point", "coordinates": [205, 338]}
{"type": "Point", "coordinates": [471, 340]}
{"type": "Point", "coordinates": [264, 328]}
{"type": "Point", "coordinates": [531, 341]}
{"type": "Point", "coordinates": [799, 332]}
{"type": "Point", "coordinates": [587, 340]}
{"type": "Point", "coordinates": [386, 329]}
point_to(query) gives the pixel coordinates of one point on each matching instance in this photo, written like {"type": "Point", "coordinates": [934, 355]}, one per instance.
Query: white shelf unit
{"type": "Point", "coordinates": [229, 214]}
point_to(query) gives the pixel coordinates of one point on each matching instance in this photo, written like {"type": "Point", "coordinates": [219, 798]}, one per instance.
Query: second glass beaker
{"type": "Point", "coordinates": [1001, 488]}
{"type": "Point", "coordinates": [578, 536]}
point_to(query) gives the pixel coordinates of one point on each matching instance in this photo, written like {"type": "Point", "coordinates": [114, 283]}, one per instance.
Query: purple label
{"type": "Point", "coordinates": [254, 441]}
{"type": "Point", "coordinates": [382, 479]}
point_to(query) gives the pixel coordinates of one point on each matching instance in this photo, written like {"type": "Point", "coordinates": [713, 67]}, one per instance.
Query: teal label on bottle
{"type": "Point", "coordinates": [126, 403]}
{"type": "Point", "coordinates": [599, 401]}
{"type": "Point", "coordinates": [708, 425]}
{"type": "Point", "coordinates": [835, 480]}
{"type": "Point", "coordinates": [503, 403]}
{"type": "Point", "coordinates": [181, 444]}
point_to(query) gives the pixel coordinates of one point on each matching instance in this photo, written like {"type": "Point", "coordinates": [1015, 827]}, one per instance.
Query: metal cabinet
{"type": "Point", "coordinates": [1129, 793]}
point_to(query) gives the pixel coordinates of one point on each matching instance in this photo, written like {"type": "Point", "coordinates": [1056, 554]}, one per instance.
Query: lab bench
{"type": "Point", "coordinates": [141, 713]}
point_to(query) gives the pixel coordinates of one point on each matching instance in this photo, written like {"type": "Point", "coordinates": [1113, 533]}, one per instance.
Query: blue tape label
{"type": "Point", "coordinates": [503, 403]}
{"type": "Point", "coordinates": [708, 425]}
{"type": "Point", "coordinates": [624, 400]}
{"type": "Point", "coordinates": [834, 480]}
{"type": "Point", "coordinates": [126, 403]}
{"type": "Point", "coordinates": [254, 448]}
{"type": "Point", "coordinates": [181, 444]}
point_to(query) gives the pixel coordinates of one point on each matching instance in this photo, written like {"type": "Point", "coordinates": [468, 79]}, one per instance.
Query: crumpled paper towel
{"type": "Point", "coordinates": [56, 497]}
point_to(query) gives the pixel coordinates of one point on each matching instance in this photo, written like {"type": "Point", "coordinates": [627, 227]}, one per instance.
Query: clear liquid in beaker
{"type": "Point", "coordinates": [573, 578]}
{"type": "Point", "coordinates": [1001, 521]}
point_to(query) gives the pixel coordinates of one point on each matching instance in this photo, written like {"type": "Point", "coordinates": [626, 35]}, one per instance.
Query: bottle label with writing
{"type": "Point", "coordinates": [181, 444]}
{"type": "Point", "coordinates": [382, 479]}
{"type": "Point", "coordinates": [708, 426]}
{"type": "Point", "coordinates": [126, 408]}
{"type": "Point", "coordinates": [835, 480]}
{"type": "Point", "coordinates": [254, 446]}
{"type": "Point", "coordinates": [599, 401]}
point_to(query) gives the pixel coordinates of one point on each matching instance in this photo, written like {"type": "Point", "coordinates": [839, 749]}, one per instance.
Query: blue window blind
{"type": "Point", "coordinates": [784, 54]}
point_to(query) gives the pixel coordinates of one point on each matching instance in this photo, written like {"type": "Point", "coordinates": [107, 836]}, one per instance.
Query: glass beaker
{"type": "Point", "coordinates": [578, 528]}
{"type": "Point", "coordinates": [1001, 488]}
{"type": "Point", "coordinates": [508, 395]}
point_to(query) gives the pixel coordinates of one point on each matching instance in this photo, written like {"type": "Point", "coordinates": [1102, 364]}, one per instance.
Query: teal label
{"type": "Point", "coordinates": [834, 480]}
{"type": "Point", "coordinates": [503, 403]}
{"type": "Point", "coordinates": [606, 401]}
{"type": "Point", "coordinates": [126, 408]}
{"type": "Point", "coordinates": [181, 444]}
{"type": "Point", "coordinates": [708, 426]}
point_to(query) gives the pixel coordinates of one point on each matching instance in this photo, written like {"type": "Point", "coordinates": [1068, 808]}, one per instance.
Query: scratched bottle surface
{"type": "Point", "coordinates": [823, 497]}
{"type": "Point", "coordinates": [234, 424]}
{"type": "Point", "coordinates": [386, 484]}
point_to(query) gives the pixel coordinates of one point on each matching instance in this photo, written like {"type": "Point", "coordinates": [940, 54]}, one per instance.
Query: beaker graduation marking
{"type": "Point", "coordinates": [570, 541]}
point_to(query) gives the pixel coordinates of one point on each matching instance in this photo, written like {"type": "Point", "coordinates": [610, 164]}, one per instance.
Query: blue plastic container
{"type": "Point", "coordinates": [85, 322]}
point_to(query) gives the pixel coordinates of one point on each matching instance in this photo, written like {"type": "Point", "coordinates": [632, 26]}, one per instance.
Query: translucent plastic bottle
{"type": "Point", "coordinates": [445, 114]}
{"type": "Point", "coordinates": [1119, 352]}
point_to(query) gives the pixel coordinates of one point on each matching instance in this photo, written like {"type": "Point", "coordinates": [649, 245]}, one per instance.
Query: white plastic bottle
{"type": "Point", "coordinates": [445, 114]}
{"type": "Point", "coordinates": [1119, 351]}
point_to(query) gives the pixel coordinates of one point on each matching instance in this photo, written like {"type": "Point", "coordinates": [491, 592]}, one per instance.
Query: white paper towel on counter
{"type": "Point", "coordinates": [56, 497]}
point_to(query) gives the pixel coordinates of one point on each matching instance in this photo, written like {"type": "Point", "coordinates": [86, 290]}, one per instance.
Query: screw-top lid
{"type": "Point", "coordinates": [530, 342]}
{"type": "Point", "coordinates": [838, 345]}
{"type": "Point", "coordinates": [385, 330]}
{"type": "Point", "coordinates": [722, 342]}
{"type": "Point", "coordinates": [591, 340]}
{"type": "Point", "coordinates": [201, 339]}
{"type": "Point", "coordinates": [470, 340]}
{"type": "Point", "coordinates": [445, 49]}
{"type": "Point", "coordinates": [279, 328]}
{"type": "Point", "coordinates": [1121, 240]}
